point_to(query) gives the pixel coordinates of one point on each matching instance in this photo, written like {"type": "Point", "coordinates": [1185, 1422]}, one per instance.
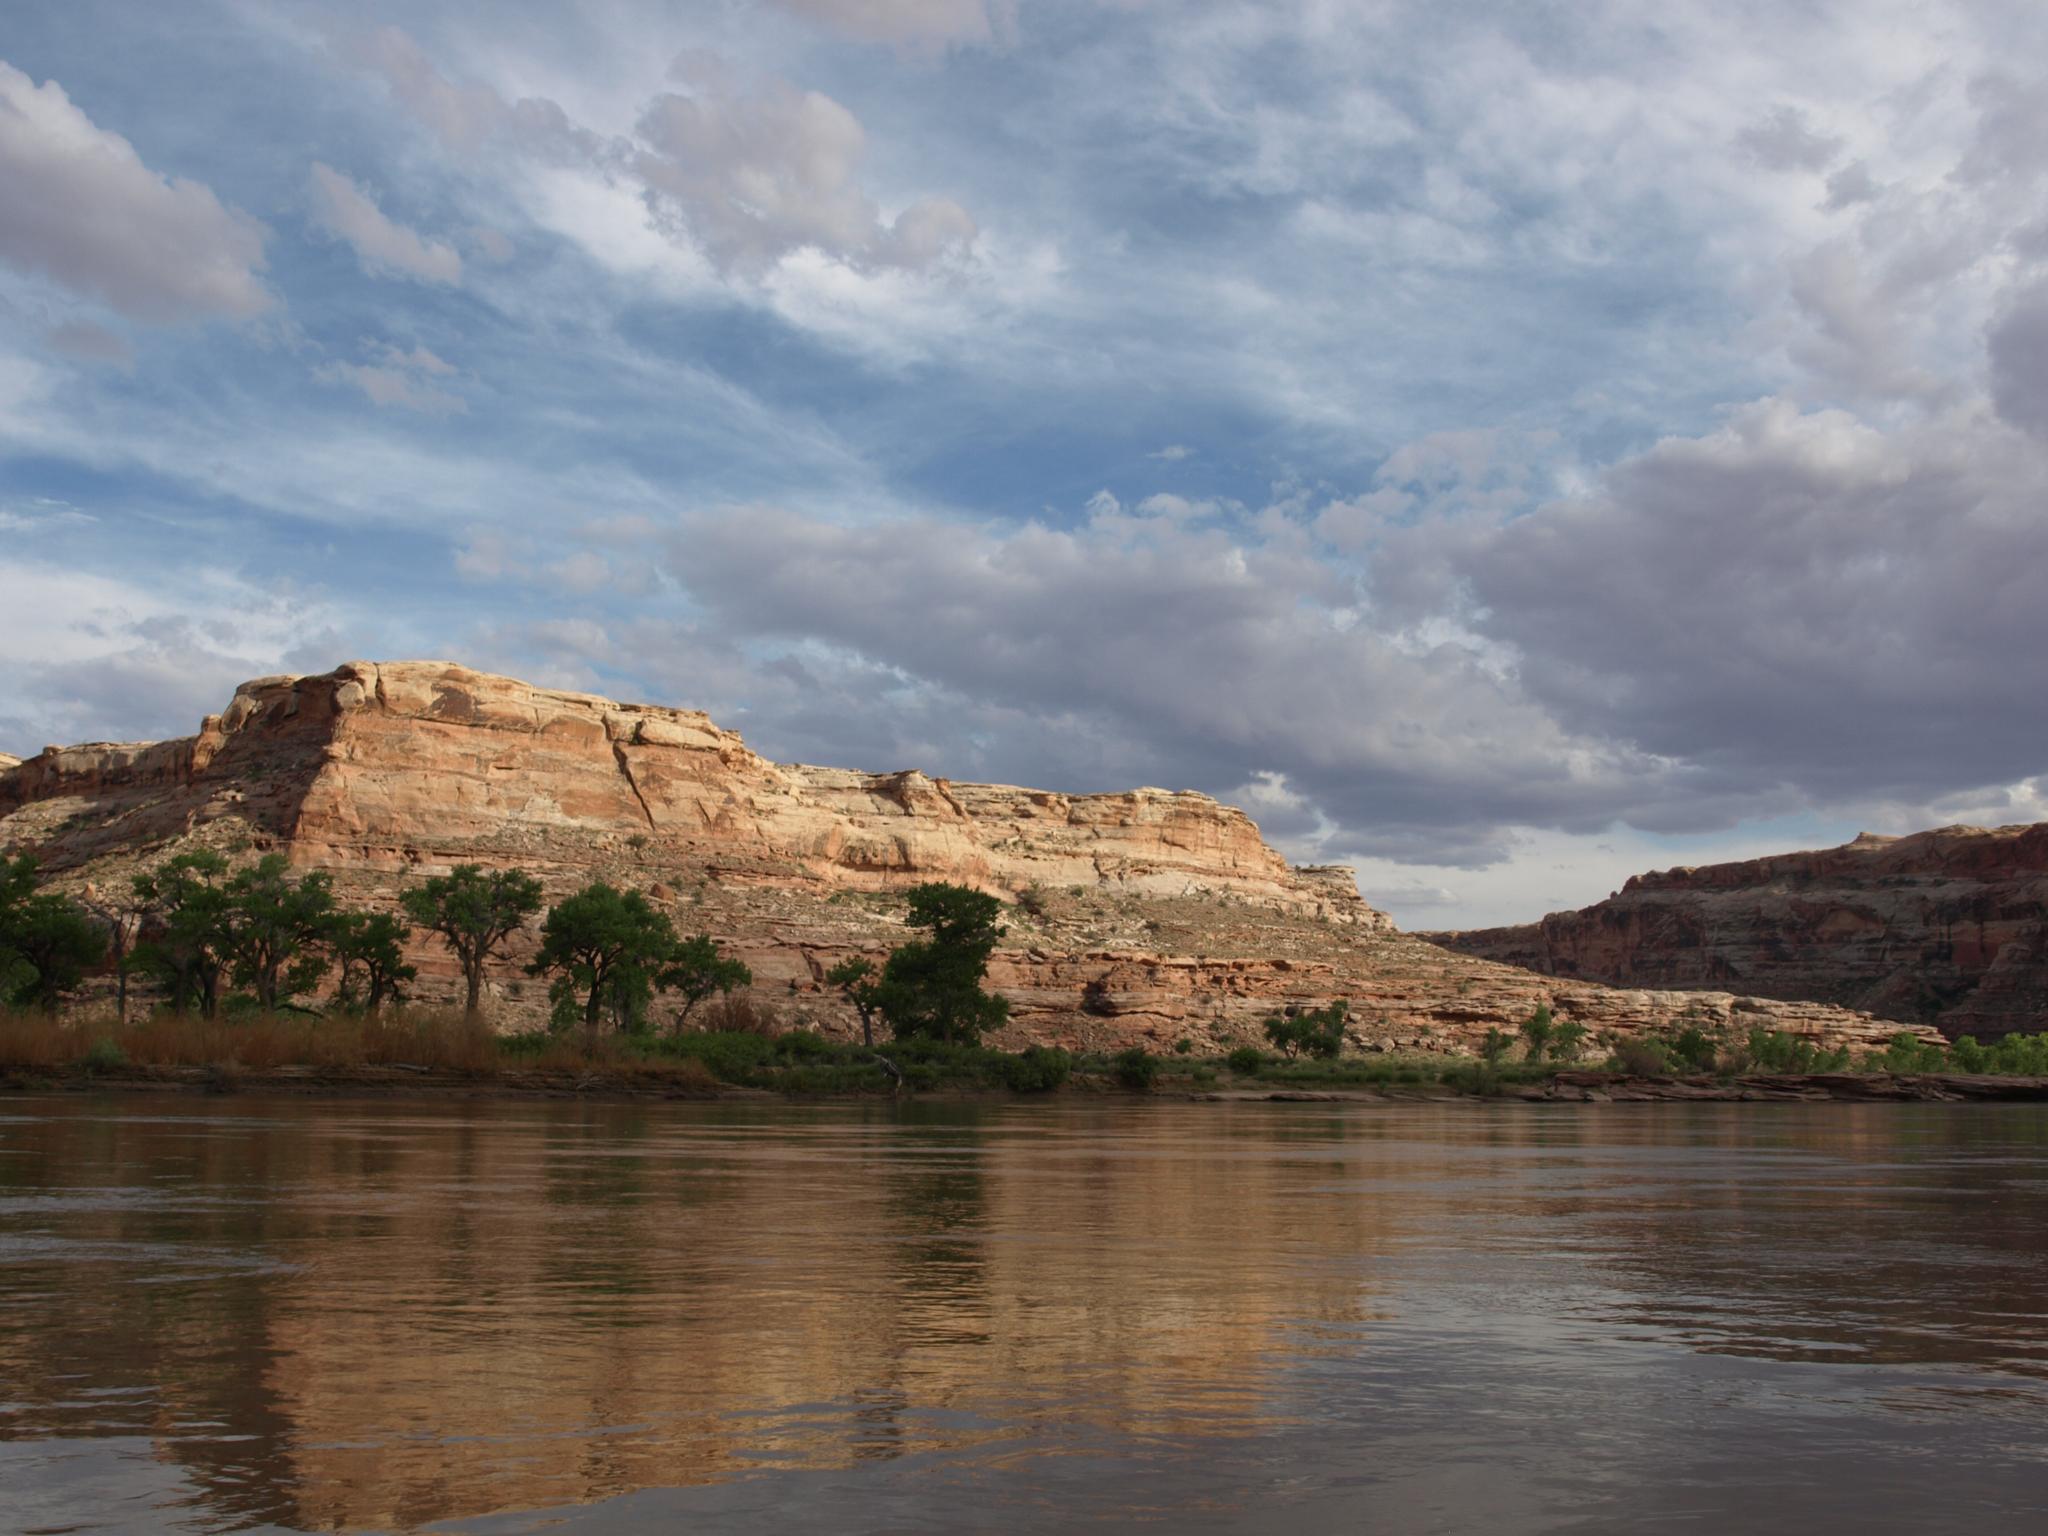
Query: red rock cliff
{"type": "Point", "coordinates": [1146, 916]}
{"type": "Point", "coordinates": [1948, 927]}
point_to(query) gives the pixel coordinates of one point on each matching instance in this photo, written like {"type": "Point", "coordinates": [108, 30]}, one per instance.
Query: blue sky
{"type": "Point", "coordinates": [1505, 447]}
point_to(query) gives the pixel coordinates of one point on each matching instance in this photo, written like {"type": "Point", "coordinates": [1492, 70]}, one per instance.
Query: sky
{"type": "Point", "coordinates": [1504, 447]}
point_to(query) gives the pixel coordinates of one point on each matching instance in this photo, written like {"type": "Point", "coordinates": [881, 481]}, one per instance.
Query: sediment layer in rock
{"type": "Point", "coordinates": [1948, 927]}
{"type": "Point", "coordinates": [1148, 916]}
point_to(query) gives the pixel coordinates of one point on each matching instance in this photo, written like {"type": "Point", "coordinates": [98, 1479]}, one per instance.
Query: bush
{"type": "Point", "coordinates": [1134, 1069]}
{"type": "Point", "coordinates": [1246, 1060]}
{"type": "Point", "coordinates": [739, 1013]}
{"type": "Point", "coordinates": [1639, 1058]}
{"type": "Point", "coordinates": [1494, 1047]}
{"type": "Point", "coordinates": [1692, 1047]}
{"type": "Point", "coordinates": [105, 1055]}
{"type": "Point", "coordinates": [1318, 1032]}
{"type": "Point", "coordinates": [1035, 1069]}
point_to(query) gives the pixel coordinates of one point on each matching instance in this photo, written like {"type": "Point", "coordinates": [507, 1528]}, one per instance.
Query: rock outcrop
{"type": "Point", "coordinates": [1948, 928]}
{"type": "Point", "coordinates": [1146, 916]}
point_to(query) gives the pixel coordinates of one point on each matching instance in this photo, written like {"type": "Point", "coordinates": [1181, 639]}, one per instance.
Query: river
{"type": "Point", "coordinates": [241, 1313]}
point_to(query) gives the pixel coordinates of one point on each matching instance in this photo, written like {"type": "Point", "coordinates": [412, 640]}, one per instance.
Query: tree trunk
{"type": "Point", "coordinates": [473, 974]}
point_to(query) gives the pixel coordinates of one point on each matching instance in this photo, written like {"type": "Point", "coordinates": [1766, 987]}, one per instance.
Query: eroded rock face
{"type": "Point", "coordinates": [1145, 916]}
{"type": "Point", "coordinates": [1948, 927]}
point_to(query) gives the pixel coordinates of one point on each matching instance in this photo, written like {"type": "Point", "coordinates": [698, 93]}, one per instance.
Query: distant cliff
{"type": "Point", "coordinates": [1143, 916]}
{"type": "Point", "coordinates": [1948, 927]}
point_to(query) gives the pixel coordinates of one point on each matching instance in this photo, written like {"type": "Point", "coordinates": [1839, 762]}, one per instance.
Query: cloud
{"type": "Point", "coordinates": [394, 377]}
{"type": "Point", "coordinates": [1787, 141]}
{"type": "Point", "coordinates": [1210, 659]}
{"type": "Point", "coordinates": [907, 22]}
{"type": "Point", "coordinates": [383, 247]}
{"type": "Point", "coordinates": [91, 343]}
{"type": "Point", "coordinates": [2018, 346]}
{"type": "Point", "coordinates": [755, 175]}
{"type": "Point", "coordinates": [1799, 605]}
{"type": "Point", "coordinates": [83, 211]}
{"type": "Point", "coordinates": [1173, 453]}
{"type": "Point", "coordinates": [99, 658]}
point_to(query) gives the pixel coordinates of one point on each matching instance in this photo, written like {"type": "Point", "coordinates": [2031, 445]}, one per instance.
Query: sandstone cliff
{"type": "Point", "coordinates": [1948, 927]}
{"type": "Point", "coordinates": [1144, 916]}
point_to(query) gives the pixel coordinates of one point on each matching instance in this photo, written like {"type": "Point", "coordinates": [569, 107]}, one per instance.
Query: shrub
{"type": "Point", "coordinates": [104, 1055]}
{"type": "Point", "coordinates": [1134, 1069]}
{"type": "Point", "coordinates": [1317, 1032]}
{"type": "Point", "coordinates": [741, 1014]}
{"type": "Point", "coordinates": [1494, 1047]}
{"type": "Point", "coordinates": [1693, 1048]}
{"type": "Point", "coordinates": [1035, 1069]}
{"type": "Point", "coordinates": [1183, 1046]}
{"type": "Point", "coordinates": [1537, 1030]}
{"type": "Point", "coordinates": [1246, 1060]}
{"type": "Point", "coordinates": [1639, 1058]}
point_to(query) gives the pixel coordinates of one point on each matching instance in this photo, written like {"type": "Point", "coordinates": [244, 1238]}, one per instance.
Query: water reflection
{"type": "Point", "coordinates": [328, 1316]}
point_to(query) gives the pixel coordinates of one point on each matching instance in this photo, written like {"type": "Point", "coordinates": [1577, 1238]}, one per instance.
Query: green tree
{"type": "Point", "coordinates": [931, 988]}
{"type": "Point", "coordinates": [47, 941]}
{"type": "Point", "coordinates": [370, 949]}
{"type": "Point", "coordinates": [186, 950]}
{"type": "Point", "coordinates": [604, 946]}
{"type": "Point", "coordinates": [1568, 1040]}
{"type": "Point", "coordinates": [1537, 1030]}
{"type": "Point", "coordinates": [695, 969]}
{"type": "Point", "coordinates": [17, 889]}
{"type": "Point", "coordinates": [276, 926]}
{"type": "Point", "coordinates": [474, 913]}
{"type": "Point", "coordinates": [1317, 1031]}
{"type": "Point", "coordinates": [1495, 1046]}
{"type": "Point", "coordinates": [857, 978]}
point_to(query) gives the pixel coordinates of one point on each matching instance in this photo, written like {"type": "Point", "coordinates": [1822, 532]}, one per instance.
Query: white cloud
{"type": "Point", "coordinates": [381, 245]}
{"type": "Point", "coordinates": [754, 175]}
{"type": "Point", "coordinates": [82, 210]}
{"type": "Point", "coordinates": [396, 377]}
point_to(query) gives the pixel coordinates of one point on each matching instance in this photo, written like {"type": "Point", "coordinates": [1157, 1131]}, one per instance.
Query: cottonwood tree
{"type": "Point", "coordinates": [189, 934]}
{"type": "Point", "coordinates": [697, 970]}
{"type": "Point", "coordinates": [861, 984]}
{"type": "Point", "coordinates": [275, 926]}
{"type": "Point", "coordinates": [604, 947]}
{"type": "Point", "coordinates": [474, 913]}
{"type": "Point", "coordinates": [931, 987]}
{"type": "Point", "coordinates": [370, 949]}
{"type": "Point", "coordinates": [47, 941]}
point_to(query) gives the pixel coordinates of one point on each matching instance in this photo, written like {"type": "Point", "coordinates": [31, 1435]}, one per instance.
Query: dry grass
{"type": "Point", "coordinates": [441, 1040]}
{"type": "Point", "coordinates": [740, 1013]}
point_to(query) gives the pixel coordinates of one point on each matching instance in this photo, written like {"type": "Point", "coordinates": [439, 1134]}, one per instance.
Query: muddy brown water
{"type": "Point", "coordinates": [503, 1317]}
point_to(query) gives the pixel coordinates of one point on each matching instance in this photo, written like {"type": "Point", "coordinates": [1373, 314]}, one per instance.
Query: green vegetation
{"type": "Point", "coordinates": [370, 949]}
{"type": "Point", "coordinates": [275, 938]}
{"type": "Point", "coordinates": [47, 942]}
{"type": "Point", "coordinates": [474, 913]}
{"type": "Point", "coordinates": [695, 970]}
{"type": "Point", "coordinates": [931, 988]}
{"type": "Point", "coordinates": [1317, 1032]}
{"type": "Point", "coordinates": [1135, 1069]}
{"type": "Point", "coordinates": [861, 985]}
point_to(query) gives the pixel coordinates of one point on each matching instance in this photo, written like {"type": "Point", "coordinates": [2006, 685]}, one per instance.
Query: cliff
{"type": "Point", "coordinates": [1948, 927]}
{"type": "Point", "coordinates": [1142, 916]}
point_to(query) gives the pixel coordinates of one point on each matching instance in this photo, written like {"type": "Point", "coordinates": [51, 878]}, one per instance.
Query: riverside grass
{"type": "Point", "coordinates": [747, 1047]}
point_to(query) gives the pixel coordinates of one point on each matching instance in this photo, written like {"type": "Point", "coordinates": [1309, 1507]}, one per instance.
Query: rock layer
{"type": "Point", "coordinates": [1147, 916]}
{"type": "Point", "coordinates": [1948, 927]}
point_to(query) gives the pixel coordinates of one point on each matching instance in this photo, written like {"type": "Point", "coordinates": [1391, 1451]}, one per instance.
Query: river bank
{"type": "Point", "coordinates": [400, 1080]}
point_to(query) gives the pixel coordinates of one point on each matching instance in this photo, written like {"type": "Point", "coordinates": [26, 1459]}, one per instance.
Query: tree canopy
{"type": "Point", "coordinates": [474, 913]}
{"type": "Point", "coordinates": [931, 987]}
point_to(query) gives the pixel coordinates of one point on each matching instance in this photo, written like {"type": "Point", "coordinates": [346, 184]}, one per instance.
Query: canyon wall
{"type": "Point", "coordinates": [1146, 916]}
{"type": "Point", "coordinates": [1948, 927]}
